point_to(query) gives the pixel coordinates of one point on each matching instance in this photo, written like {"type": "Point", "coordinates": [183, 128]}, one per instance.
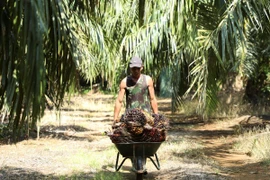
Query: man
{"type": "Point", "coordinates": [139, 90]}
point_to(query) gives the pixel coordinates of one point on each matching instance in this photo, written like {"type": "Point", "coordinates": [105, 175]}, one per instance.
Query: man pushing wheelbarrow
{"type": "Point", "coordinates": [139, 132]}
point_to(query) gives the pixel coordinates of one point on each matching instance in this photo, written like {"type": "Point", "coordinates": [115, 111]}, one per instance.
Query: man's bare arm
{"type": "Point", "coordinates": [119, 100]}
{"type": "Point", "coordinates": [153, 99]}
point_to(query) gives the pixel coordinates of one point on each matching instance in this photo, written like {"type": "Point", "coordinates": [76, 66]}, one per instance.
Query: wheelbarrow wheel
{"type": "Point", "coordinates": [139, 176]}
{"type": "Point", "coordinates": [139, 164]}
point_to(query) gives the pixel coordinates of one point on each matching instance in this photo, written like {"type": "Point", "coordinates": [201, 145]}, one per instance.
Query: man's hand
{"type": "Point", "coordinates": [116, 121]}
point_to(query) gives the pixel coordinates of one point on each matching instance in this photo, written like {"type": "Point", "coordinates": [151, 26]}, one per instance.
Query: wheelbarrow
{"type": "Point", "coordinates": [138, 152]}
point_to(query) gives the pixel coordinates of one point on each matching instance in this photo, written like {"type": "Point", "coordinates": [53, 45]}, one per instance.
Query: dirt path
{"type": "Point", "coordinates": [78, 148]}
{"type": "Point", "coordinates": [219, 140]}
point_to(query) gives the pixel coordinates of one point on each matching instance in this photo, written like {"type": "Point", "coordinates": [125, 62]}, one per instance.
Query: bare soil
{"type": "Point", "coordinates": [81, 131]}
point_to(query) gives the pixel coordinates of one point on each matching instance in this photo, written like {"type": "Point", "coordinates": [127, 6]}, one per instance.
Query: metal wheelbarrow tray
{"type": "Point", "coordinates": [138, 152]}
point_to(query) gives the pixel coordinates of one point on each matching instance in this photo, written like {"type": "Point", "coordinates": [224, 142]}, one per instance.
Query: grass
{"type": "Point", "coordinates": [178, 148]}
{"type": "Point", "coordinates": [188, 107]}
{"type": "Point", "coordinates": [104, 176]}
{"type": "Point", "coordinates": [182, 148]}
{"type": "Point", "coordinates": [256, 144]}
{"type": "Point", "coordinates": [78, 110]}
{"type": "Point", "coordinates": [95, 160]}
{"type": "Point", "coordinates": [101, 162]}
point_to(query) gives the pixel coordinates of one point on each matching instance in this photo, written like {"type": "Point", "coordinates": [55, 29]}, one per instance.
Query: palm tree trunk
{"type": "Point", "coordinates": [233, 93]}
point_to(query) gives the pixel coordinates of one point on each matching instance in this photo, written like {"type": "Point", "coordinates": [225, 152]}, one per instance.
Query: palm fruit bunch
{"type": "Point", "coordinates": [137, 125]}
{"type": "Point", "coordinates": [160, 121]}
{"type": "Point", "coordinates": [119, 135]}
{"type": "Point", "coordinates": [154, 135]}
{"type": "Point", "coordinates": [134, 115]}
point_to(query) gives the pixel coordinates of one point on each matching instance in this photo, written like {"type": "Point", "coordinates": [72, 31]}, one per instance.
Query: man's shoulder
{"type": "Point", "coordinates": [123, 83]}
{"type": "Point", "coordinates": [147, 76]}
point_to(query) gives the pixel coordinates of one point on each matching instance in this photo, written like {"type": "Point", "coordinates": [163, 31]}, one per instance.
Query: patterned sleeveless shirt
{"type": "Point", "coordinates": [137, 94]}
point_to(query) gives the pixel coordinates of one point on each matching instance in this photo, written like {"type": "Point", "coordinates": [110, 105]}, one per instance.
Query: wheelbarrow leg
{"type": "Point", "coordinates": [157, 165]}
{"type": "Point", "coordinates": [117, 159]}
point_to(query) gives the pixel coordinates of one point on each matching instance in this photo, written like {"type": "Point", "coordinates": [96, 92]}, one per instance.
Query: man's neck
{"type": "Point", "coordinates": [136, 78]}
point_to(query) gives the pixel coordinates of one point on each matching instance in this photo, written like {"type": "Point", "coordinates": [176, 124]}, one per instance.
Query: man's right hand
{"type": "Point", "coordinates": [116, 121]}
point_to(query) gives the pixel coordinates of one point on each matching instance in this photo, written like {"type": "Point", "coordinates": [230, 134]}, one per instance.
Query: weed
{"type": "Point", "coordinates": [108, 176]}
{"type": "Point", "coordinates": [255, 144]}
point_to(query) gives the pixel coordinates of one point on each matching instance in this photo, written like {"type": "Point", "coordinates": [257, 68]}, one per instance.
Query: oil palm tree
{"type": "Point", "coordinates": [44, 44]}
{"type": "Point", "coordinates": [202, 42]}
